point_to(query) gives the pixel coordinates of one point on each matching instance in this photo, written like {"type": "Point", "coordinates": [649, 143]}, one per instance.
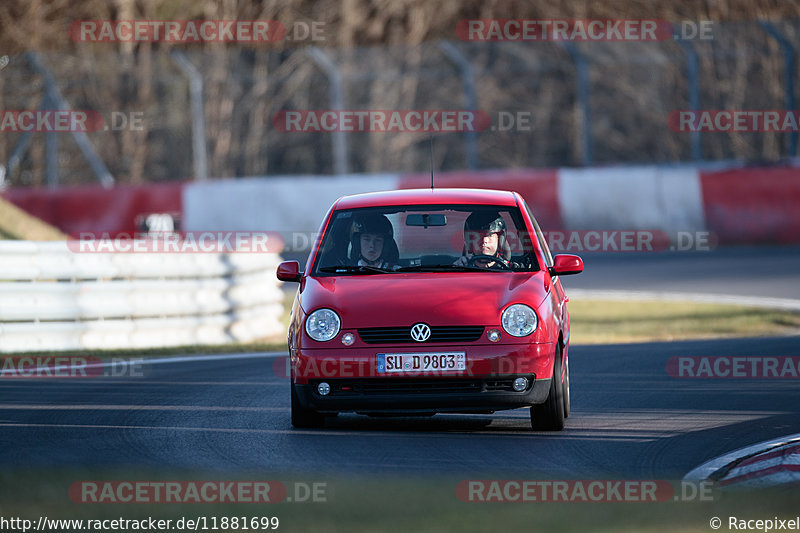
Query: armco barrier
{"type": "Point", "coordinates": [53, 298]}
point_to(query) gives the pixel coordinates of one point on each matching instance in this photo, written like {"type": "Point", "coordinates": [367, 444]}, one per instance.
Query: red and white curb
{"type": "Point", "coordinates": [768, 464]}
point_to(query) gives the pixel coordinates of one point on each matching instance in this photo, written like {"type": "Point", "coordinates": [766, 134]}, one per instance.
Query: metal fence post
{"type": "Point", "coordinates": [51, 144]}
{"type": "Point", "coordinates": [199, 154]}
{"type": "Point", "coordinates": [468, 79]}
{"type": "Point", "coordinates": [16, 154]}
{"type": "Point", "coordinates": [338, 138]}
{"type": "Point", "coordinates": [582, 68]}
{"type": "Point", "coordinates": [694, 95]}
{"type": "Point", "coordinates": [81, 139]}
{"type": "Point", "coordinates": [788, 73]}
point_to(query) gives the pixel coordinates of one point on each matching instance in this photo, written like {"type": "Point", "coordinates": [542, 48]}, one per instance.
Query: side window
{"type": "Point", "coordinates": [548, 257]}
{"type": "Point", "coordinates": [334, 249]}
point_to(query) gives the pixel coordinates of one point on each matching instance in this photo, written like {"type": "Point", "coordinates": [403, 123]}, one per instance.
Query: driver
{"type": "Point", "coordinates": [372, 243]}
{"type": "Point", "coordinates": [485, 235]}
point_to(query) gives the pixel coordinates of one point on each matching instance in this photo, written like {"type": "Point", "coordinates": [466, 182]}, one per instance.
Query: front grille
{"type": "Point", "coordinates": [419, 386]}
{"type": "Point", "coordinates": [398, 335]}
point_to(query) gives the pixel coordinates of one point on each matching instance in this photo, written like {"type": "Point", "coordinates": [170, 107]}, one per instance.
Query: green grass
{"type": "Point", "coordinates": [390, 504]}
{"type": "Point", "coordinates": [593, 322]}
{"type": "Point", "coordinates": [605, 322]}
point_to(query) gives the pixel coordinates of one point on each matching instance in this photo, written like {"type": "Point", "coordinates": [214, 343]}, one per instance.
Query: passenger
{"type": "Point", "coordinates": [372, 243]}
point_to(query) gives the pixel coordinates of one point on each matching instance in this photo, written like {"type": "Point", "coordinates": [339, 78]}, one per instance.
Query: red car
{"type": "Point", "coordinates": [417, 302]}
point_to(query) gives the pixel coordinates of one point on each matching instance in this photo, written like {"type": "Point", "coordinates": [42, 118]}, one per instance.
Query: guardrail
{"type": "Point", "coordinates": [53, 298]}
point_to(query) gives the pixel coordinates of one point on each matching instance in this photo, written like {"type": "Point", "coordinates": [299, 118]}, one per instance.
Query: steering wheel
{"type": "Point", "coordinates": [473, 260]}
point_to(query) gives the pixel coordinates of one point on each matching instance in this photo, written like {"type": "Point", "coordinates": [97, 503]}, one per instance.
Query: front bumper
{"type": "Point", "coordinates": [433, 395]}
{"type": "Point", "coordinates": [484, 386]}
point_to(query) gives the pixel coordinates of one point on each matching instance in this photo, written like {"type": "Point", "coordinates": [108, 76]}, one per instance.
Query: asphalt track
{"type": "Point", "coordinates": [630, 419]}
{"type": "Point", "coordinates": [765, 271]}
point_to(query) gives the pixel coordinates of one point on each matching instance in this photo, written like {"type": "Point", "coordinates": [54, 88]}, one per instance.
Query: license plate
{"type": "Point", "coordinates": [421, 362]}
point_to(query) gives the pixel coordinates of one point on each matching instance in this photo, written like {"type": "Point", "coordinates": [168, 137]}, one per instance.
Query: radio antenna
{"type": "Point", "coordinates": [431, 142]}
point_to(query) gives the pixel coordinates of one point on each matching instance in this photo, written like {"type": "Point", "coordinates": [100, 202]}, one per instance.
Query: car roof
{"type": "Point", "coordinates": [428, 197]}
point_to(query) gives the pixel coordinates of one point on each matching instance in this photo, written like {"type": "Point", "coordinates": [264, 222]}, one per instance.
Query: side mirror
{"type": "Point", "coordinates": [289, 271]}
{"type": "Point", "coordinates": [566, 264]}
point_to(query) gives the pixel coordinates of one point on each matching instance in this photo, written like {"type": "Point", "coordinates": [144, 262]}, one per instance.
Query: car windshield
{"type": "Point", "coordinates": [398, 239]}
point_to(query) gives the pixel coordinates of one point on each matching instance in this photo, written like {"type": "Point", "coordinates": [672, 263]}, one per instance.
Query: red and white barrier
{"type": "Point", "coordinates": [539, 187]}
{"type": "Point", "coordinates": [93, 208]}
{"type": "Point", "coordinates": [642, 198]}
{"type": "Point", "coordinates": [737, 206]}
{"type": "Point", "coordinates": [778, 466]}
{"type": "Point", "coordinates": [283, 204]}
{"type": "Point", "coordinates": [753, 205]}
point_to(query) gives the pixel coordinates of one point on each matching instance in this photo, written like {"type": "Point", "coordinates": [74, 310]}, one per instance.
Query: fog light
{"type": "Point", "coordinates": [348, 339]}
{"type": "Point", "coordinates": [323, 389]}
{"type": "Point", "coordinates": [493, 335]}
{"type": "Point", "coordinates": [520, 384]}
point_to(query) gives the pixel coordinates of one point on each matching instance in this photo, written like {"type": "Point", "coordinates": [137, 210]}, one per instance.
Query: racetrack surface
{"type": "Point", "coordinates": [764, 271]}
{"type": "Point", "coordinates": [630, 420]}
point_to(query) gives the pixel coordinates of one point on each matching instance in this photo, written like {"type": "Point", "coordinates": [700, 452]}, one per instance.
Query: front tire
{"type": "Point", "coordinates": [303, 417]}
{"type": "Point", "coordinates": [566, 388]}
{"type": "Point", "coordinates": [549, 416]}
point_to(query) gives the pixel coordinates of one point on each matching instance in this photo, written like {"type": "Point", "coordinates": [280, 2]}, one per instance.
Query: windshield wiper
{"type": "Point", "coordinates": [360, 269]}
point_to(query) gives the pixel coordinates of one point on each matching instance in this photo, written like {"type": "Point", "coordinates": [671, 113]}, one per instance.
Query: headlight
{"type": "Point", "coordinates": [323, 325]}
{"type": "Point", "coordinates": [519, 320]}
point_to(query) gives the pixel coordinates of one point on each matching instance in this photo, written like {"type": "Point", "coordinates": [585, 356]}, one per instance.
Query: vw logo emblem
{"type": "Point", "coordinates": [420, 332]}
